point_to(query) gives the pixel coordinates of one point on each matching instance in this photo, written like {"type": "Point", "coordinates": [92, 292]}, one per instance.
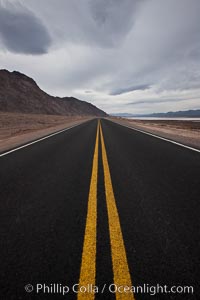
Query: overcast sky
{"type": "Point", "coordinates": [135, 56]}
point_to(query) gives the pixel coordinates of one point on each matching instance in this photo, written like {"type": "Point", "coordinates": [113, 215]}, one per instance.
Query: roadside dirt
{"type": "Point", "coordinates": [17, 129]}
{"type": "Point", "coordinates": [186, 132]}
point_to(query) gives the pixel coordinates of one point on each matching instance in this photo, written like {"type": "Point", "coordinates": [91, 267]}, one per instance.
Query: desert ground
{"type": "Point", "coordinates": [186, 132]}
{"type": "Point", "coordinates": [17, 129]}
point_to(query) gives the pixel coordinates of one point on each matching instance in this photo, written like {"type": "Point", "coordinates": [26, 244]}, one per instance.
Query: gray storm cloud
{"type": "Point", "coordinates": [21, 31]}
{"type": "Point", "coordinates": [101, 23]}
{"type": "Point", "coordinates": [121, 91]}
{"type": "Point", "coordinates": [154, 101]}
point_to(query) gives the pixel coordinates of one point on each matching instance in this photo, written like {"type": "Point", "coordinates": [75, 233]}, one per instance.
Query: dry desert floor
{"type": "Point", "coordinates": [17, 129]}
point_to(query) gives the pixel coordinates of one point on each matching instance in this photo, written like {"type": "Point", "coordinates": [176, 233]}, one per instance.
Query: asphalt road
{"type": "Point", "coordinates": [100, 204]}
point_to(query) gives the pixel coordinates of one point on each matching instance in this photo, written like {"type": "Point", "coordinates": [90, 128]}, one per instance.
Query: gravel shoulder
{"type": "Point", "coordinates": [185, 132]}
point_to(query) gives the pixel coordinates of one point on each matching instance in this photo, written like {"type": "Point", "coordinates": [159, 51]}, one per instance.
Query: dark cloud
{"type": "Point", "coordinates": [21, 31]}
{"type": "Point", "coordinates": [120, 91]}
{"type": "Point", "coordinates": [96, 23]}
{"type": "Point", "coordinates": [160, 100]}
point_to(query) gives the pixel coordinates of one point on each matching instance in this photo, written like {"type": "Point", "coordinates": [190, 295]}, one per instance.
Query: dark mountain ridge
{"type": "Point", "coordinates": [20, 93]}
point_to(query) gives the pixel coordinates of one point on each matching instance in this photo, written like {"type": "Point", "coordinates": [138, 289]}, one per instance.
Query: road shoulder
{"type": "Point", "coordinates": [184, 132]}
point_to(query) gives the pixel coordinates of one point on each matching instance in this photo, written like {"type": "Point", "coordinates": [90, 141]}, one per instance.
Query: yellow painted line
{"type": "Point", "coordinates": [119, 260]}
{"type": "Point", "coordinates": [88, 264]}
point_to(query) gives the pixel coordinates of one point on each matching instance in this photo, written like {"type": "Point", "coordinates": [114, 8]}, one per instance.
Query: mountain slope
{"type": "Point", "coordinates": [19, 93]}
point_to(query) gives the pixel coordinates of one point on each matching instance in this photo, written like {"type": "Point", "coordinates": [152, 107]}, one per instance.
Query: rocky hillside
{"type": "Point", "coordinates": [19, 93]}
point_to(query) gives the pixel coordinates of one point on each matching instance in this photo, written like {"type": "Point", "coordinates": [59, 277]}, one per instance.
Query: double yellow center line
{"type": "Point", "coordinates": [119, 260]}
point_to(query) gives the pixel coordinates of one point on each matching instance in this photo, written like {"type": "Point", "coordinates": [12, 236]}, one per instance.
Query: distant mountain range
{"type": "Point", "coordinates": [20, 93]}
{"type": "Point", "coordinates": [171, 114]}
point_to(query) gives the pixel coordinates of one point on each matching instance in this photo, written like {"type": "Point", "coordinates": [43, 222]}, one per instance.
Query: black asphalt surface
{"type": "Point", "coordinates": [43, 206]}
